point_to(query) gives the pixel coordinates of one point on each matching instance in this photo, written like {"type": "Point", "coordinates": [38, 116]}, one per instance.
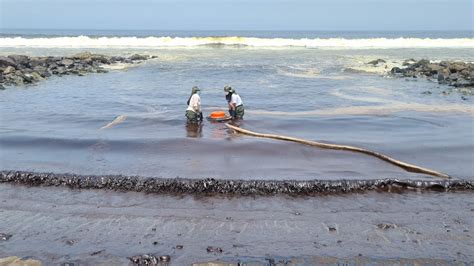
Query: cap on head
{"type": "Point", "coordinates": [195, 89]}
{"type": "Point", "coordinates": [228, 89]}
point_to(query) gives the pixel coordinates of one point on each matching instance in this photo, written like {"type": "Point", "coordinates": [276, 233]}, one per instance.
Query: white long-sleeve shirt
{"type": "Point", "coordinates": [195, 104]}
{"type": "Point", "coordinates": [235, 99]}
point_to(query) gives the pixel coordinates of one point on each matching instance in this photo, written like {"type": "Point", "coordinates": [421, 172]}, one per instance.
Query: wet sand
{"type": "Point", "coordinates": [57, 225]}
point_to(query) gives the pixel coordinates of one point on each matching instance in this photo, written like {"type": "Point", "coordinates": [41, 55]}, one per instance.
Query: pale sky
{"type": "Point", "coordinates": [331, 15]}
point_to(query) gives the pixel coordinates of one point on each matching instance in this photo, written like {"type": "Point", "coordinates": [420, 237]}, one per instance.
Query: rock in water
{"type": "Point", "coordinates": [457, 74]}
{"type": "Point", "coordinates": [422, 62]}
{"type": "Point", "coordinates": [102, 59]}
{"type": "Point", "coordinates": [38, 61]}
{"type": "Point", "coordinates": [27, 78]}
{"type": "Point", "coordinates": [20, 59]}
{"type": "Point", "coordinates": [43, 71]}
{"type": "Point", "coordinates": [4, 237]}
{"type": "Point", "coordinates": [464, 84]}
{"type": "Point", "coordinates": [22, 69]}
{"type": "Point", "coordinates": [453, 77]}
{"type": "Point", "coordinates": [397, 70]}
{"type": "Point", "coordinates": [66, 62]}
{"type": "Point", "coordinates": [117, 59]}
{"type": "Point", "coordinates": [441, 79]}
{"type": "Point", "coordinates": [165, 258]}
{"type": "Point", "coordinates": [82, 56]}
{"type": "Point", "coordinates": [138, 57]}
{"type": "Point", "coordinates": [36, 76]}
{"type": "Point", "coordinates": [409, 62]}
{"type": "Point", "coordinates": [457, 67]}
{"type": "Point", "coordinates": [212, 249]}
{"type": "Point", "coordinates": [60, 70]}
{"type": "Point", "coordinates": [433, 68]}
{"type": "Point", "coordinates": [6, 61]}
{"type": "Point", "coordinates": [102, 70]}
{"type": "Point", "coordinates": [376, 62]}
{"type": "Point", "coordinates": [386, 226]}
{"type": "Point", "coordinates": [9, 70]}
{"type": "Point", "coordinates": [144, 260]}
{"type": "Point", "coordinates": [16, 80]}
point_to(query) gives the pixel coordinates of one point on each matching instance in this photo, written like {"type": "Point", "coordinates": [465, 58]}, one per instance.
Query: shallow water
{"type": "Point", "coordinates": [56, 125]}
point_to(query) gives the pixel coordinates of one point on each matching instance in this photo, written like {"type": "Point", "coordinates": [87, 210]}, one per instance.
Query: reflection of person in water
{"type": "Point", "coordinates": [193, 113]}
{"type": "Point", "coordinates": [194, 130]}
{"type": "Point", "coordinates": [236, 106]}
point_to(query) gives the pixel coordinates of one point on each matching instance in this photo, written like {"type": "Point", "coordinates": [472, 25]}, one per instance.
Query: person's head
{"type": "Point", "coordinates": [195, 90]}
{"type": "Point", "coordinates": [228, 93]}
{"type": "Point", "coordinates": [227, 89]}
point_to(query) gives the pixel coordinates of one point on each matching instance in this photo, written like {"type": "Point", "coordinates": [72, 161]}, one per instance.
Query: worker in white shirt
{"type": "Point", "coordinates": [236, 106]}
{"type": "Point", "coordinates": [193, 112]}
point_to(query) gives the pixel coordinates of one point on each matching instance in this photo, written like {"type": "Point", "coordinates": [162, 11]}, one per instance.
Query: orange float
{"type": "Point", "coordinates": [219, 116]}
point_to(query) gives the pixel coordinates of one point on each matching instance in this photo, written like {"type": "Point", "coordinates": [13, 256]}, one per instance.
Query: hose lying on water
{"type": "Point", "coordinates": [406, 166]}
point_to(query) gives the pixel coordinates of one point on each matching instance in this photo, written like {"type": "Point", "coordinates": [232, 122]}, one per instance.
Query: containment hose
{"type": "Point", "coordinates": [406, 166]}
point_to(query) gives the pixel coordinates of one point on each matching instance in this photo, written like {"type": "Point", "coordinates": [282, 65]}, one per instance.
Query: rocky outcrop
{"type": "Point", "coordinates": [452, 73]}
{"type": "Point", "coordinates": [376, 62]}
{"type": "Point", "coordinates": [19, 70]}
{"type": "Point", "coordinates": [6, 61]}
{"type": "Point", "coordinates": [138, 57]}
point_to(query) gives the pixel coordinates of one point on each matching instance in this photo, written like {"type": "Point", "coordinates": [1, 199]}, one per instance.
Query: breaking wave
{"type": "Point", "coordinates": [168, 42]}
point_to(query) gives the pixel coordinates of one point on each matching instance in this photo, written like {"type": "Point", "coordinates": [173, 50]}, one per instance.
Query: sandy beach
{"type": "Point", "coordinates": [59, 225]}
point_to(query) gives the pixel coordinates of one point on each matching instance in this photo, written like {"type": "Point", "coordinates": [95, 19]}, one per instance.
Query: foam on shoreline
{"type": "Point", "coordinates": [236, 41]}
{"type": "Point", "coordinates": [211, 186]}
{"type": "Point", "coordinates": [388, 108]}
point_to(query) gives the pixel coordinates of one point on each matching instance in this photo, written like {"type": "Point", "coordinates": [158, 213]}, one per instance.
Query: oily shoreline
{"type": "Point", "coordinates": [210, 186]}
{"type": "Point", "coordinates": [17, 70]}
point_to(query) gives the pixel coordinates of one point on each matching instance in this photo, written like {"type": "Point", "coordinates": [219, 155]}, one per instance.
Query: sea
{"type": "Point", "coordinates": [314, 85]}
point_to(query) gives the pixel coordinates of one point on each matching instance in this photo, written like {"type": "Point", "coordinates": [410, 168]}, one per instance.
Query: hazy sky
{"type": "Point", "coordinates": [238, 14]}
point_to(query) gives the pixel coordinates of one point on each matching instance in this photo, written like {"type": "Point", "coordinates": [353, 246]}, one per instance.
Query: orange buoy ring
{"type": "Point", "coordinates": [219, 116]}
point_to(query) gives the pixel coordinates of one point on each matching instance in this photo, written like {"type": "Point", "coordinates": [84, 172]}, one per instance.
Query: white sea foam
{"type": "Point", "coordinates": [164, 42]}
{"type": "Point", "coordinates": [118, 66]}
{"type": "Point", "coordinates": [374, 110]}
{"type": "Point", "coordinates": [299, 73]}
{"type": "Point", "coordinates": [119, 119]}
